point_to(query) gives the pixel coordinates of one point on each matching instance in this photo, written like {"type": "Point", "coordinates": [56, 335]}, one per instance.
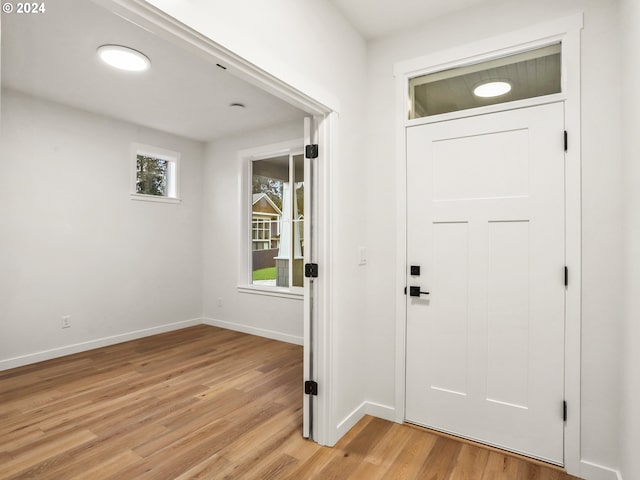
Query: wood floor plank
{"type": "Point", "coordinates": [87, 455]}
{"type": "Point", "coordinates": [313, 465]}
{"type": "Point", "coordinates": [440, 462]}
{"type": "Point", "coordinates": [107, 469]}
{"type": "Point", "coordinates": [206, 469]}
{"type": "Point", "coordinates": [469, 462]}
{"type": "Point", "coordinates": [409, 462]}
{"type": "Point", "coordinates": [208, 403]}
{"type": "Point", "coordinates": [26, 457]}
{"type": "Point", "coordinates": [20, 438]}
{"type": "Point", "coordinates": [383, 454]}
{"type": "Point", "coordinates": [259, 451]}
{"type": "Point", "coordinates": [275, 470]}
{"type": "Point", "coordinates": [500, 467]}
{"type": "Point", "coordinates": [355, 451]}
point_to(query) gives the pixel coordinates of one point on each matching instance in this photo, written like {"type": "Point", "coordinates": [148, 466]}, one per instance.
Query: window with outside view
{"type": "Point", "coordinates": [277, 219]}
{"type": "Point", "coordinates": [151, 175]}
{"type": "Point", "coordinates": [155, 173]}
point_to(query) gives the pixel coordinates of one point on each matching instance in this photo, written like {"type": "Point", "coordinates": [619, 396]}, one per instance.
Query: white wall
{"type": "Point", "coordinates": [280, 318]}
{"type": "Point", "coordinates": [72, 242]}
{"type": "Point", "coordinates": [601, 182]}
{"type": "Point", "coordinates": [309, 45]}
{"type": "Point", "coordinates": [630, 418]}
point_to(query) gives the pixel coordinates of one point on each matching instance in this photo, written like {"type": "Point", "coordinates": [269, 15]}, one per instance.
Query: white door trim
{"type": "Point", "coordinates": [567, 30]}
{"type": "Point", "coordinates": [149, 17]}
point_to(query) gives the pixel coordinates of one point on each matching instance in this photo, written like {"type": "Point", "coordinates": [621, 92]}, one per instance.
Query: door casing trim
{"type": "Point", "coordinates": [566, 30]}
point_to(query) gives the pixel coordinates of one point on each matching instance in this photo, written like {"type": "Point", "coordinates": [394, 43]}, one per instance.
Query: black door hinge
{"type": "Point", "coordinates": [311, 270]}
{"type": "Point", "coordinates": [566, 276]}
{"type": "Point", "coordinates": [566, 141]}
{"type": "Point", "coordinates": [564, 411]}
{"type": "Point", "coordinates": [311, 151]}
{"type": "Point", "coordinates": [310, 387]}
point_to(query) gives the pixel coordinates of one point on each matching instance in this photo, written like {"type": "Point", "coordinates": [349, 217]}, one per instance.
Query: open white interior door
{"type": "Point", "coordinates": [310, 287]}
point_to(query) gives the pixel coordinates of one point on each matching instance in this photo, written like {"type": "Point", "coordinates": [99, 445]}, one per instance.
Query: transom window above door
{"type": "Point", "coordinates": [516, 77]}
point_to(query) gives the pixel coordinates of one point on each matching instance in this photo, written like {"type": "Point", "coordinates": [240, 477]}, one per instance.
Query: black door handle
{"type": "Point", "coordinates": [415, 292]}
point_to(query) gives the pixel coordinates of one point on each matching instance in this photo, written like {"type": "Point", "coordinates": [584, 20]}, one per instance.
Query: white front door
{"type": "Point", "coordinates": [485, 224]}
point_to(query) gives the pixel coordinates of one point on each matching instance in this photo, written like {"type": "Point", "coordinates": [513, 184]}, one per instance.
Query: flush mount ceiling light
{"type": "Point", "coordinates": [492, 89]}
{"type": "Point", "coordinates": [124, 58]}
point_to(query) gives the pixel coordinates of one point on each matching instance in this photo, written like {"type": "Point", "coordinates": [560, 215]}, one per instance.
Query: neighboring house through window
{"type": "Point", "coordinates": [265, 223]}
{"type": "Point", "coordinates": [277, 215]}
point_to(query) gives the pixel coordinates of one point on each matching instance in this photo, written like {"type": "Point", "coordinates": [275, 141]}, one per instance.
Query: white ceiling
{"type": "Point", "coordinates": [376, 18]}
{"type": "Point", "coordinates": [53, 55]}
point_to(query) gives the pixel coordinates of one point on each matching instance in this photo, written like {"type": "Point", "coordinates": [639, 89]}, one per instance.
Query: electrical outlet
{"type": "Point", "coordinates": [219, 302]}
{"type": "Point", "coordinates": [66, 321]}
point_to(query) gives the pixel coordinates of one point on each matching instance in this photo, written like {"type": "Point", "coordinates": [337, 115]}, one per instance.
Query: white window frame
{"type": "Point", "coordinates": [173, 177]}
{"type": "Point", "coordinates": [245, 274]}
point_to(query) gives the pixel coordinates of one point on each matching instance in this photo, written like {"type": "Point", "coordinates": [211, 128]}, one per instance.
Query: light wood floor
{"type": "Point", "coordinates": [207, 403]}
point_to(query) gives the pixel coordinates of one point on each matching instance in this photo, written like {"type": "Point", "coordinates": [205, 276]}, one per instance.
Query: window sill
{"type": "Point", "coordinates": [297, 293]}
{"type": "Point", "coordinates": [154, 198]}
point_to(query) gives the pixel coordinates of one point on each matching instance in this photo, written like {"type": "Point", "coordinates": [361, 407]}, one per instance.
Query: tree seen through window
{"type": "Point", "coordinates": [151, 175]}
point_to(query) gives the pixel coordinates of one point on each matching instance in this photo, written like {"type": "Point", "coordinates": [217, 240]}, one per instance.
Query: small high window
{"type": "Point", "coordinates": [516, 77]}
{"type": "Point", "coordinates": [156, 174]}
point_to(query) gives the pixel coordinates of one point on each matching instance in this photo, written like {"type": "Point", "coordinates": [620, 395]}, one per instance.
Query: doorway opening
{"type": "Point", "coordinates": [172, 106]}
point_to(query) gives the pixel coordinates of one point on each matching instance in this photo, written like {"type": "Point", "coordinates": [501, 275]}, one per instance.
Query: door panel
{"type": "Point", "coordinates": [485, 213]}
{"type": "Point", "coordinates": [458, 175]}
{"type": "Point", "coordinates": [508, 313]}
{"type": "Point", "coordinates": [450, 355]}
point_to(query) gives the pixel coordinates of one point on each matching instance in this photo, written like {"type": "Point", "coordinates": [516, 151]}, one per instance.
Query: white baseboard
{"type": "Point", "coordinates": [350, 420]}
{"type": "Point", "coordinates": [380, 411]}
{"type": "Point", "coordinates": [365, 408]}
{"type": "Point", "coordinates": [28, 359]}
{"type": "Point", "coordinates": [261, 332]}
{"type": "Point", "coordinates": [8, 363]}
{"type": "Point", "coordinates": [593, 471]}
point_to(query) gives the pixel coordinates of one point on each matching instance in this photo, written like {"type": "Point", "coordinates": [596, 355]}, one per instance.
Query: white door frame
{"type": "Point", "coordinates": [153, 19]}
{"type": "Point", "coordinates": [566, 30]}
